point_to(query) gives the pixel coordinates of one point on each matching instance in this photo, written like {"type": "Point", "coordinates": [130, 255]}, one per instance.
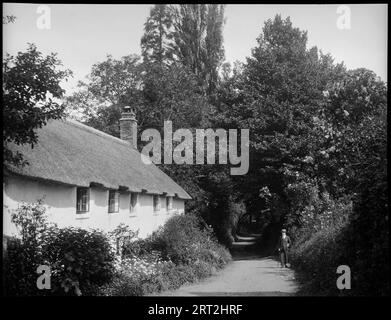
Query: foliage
{"type": "Point", "coordinates": [31, 220]}
{"type": "Point", "coordinates": [190, 35]}
{"type": "Point", "coordinates": [356, 166]}
{"type": "Point", "coordinates": [199, 40]}
{"type": "Point", "coordinates": [311, 211]}
{"type": "Point", "coordinates": [80, 261]}
{"type": "Point", "coordinates": [362, 243]}
{"type": "Point", "coordinates": [19, 269]}
{"type": "Point", "coordinates": [170, 93]}
{"type": "Point", "coordinates": [354, 111]}
{"type": "Point", "coordinates": [186, 241]}
{"type": "Point", "coordinates": [157, 41]}
{"type": "Point", "coordinates": [158, 94]}
{"type": "Point", "coordinates": [111, 84]}
{"type": "Point", "coordinates": [317, 259]}
{"type": "Point", "coordinates": [138, 276]}
{"type": "Point", "coordinates": [224, 205]}
{"type": "Point", "coordinates": [121, 238]}
{"type": "Point", "coordinates": [275, 95]}
{"type": "Point", "coordinates": [180, 252]}
{"type": "Point", "coordinates": [31, 89]}
{"type": "Point", "coordinates": [24, 255]}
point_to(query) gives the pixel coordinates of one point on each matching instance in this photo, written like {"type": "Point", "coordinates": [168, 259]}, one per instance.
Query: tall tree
{"type": "Point", "coordinates": [172, 93]}
{"type": "Point", "coordinates": [156, 43]}
{"type": "Point", "coordinates": [198, 40]}
{"type": "Point", "coordinates": [111, 84]}
{"type": "Point", "coordinates": [157, 93]}
{"type": "Point", "coordinates": [275, 95]}
{"type": "Point", "coordinates": [31, 97]}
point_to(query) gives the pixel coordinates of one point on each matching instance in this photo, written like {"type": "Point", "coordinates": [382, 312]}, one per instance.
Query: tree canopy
{"type": "Point", "coordinates": [31, 96]}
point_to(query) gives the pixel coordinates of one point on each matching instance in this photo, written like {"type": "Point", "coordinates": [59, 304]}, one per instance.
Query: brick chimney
{"type": "Point", "coordinates": [128, 126]}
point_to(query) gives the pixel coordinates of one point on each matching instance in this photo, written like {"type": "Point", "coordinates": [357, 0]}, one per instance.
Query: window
{"type": "Point", "coordinates": [169, 203]}
{"type": "Point", "coordinates": [82, 200]}
{"type": "Point", "coordinates": [133, 202]}
{"type": "Point", "coordinates": [156, 203]}
{"type": "Point", "coordinates": [113, 201]}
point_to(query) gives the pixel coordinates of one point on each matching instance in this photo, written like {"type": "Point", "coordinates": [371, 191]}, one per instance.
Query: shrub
{"type": "Point", "coordinates": [186, 240]}
{"type": "Point", "coordinates": [19, 269]}
{"type": "Point", "coordinates": [80, 260]}
{"type": "Point", "coordinates": [144, 247]}
{"type": "Point", "coordinates": [83, 262]}
{"type": "Point", "coordinates": [316, 261]}
{"type": "Point", "coordinates": [25, 254]}
{"type": "Point", "coordinates": [122, 237]}
{"type": "Point", "coordinates": [182, 251]}
{"type": "Point", "coordinates": [367, 241]}
{"type": "Point", "coordinates": [361, 242]}
{"type": "Point", "coordinates": [311, 210]}
{"type": "Point", "coordinates": [122, 285]}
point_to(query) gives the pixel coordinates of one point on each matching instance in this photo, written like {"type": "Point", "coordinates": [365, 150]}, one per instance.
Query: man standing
{"type": "Point", "coordinates": [284, 245]}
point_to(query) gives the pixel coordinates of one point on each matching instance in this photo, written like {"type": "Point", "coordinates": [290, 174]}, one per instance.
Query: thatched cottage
{"type": "Point", "coordinates": [91, 179]}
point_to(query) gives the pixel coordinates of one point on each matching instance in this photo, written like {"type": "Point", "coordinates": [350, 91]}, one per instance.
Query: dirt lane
{"type": "Point", "coordinates": [245, 276]}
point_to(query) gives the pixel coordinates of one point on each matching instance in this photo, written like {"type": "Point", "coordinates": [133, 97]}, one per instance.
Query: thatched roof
{"type": "Point", "coordinates": [72, 153]}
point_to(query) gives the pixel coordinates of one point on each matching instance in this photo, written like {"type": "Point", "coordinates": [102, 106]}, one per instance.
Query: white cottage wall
{"type": "Point", "coordinates": [61, 202]}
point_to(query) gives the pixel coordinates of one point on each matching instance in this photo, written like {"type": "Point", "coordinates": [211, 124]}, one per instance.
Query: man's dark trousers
{"type": "Point", "coordinates": [284, 257]}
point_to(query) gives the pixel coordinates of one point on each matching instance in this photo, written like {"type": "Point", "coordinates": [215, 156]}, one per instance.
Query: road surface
{"type": "Point", "coordinates": [246, 275]}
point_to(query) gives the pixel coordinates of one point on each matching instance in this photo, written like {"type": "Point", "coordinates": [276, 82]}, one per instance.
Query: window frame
{"type": "Point", "coordinates": [87, 202]}
{"type": "Point", "coordinates": [116, 205]}
{"type": "Point", "coordinates": [157, 205]}
{"type": "Point", "coordinates": [169, 203]}
{"type": "Point", "coordinates": [133, 207]}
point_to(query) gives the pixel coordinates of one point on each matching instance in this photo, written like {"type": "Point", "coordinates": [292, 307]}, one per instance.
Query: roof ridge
{"type": "Point", "coordinates": [98, 132]}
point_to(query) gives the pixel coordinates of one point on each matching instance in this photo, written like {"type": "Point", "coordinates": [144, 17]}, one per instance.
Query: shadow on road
{"type": "Point", "coordinates": [245, 248]}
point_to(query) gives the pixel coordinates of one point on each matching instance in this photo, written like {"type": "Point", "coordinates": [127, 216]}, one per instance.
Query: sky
{"type": "Point", "coordinates": [84, 34]}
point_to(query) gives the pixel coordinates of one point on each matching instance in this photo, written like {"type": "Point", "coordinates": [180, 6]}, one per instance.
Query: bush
{"type": "Point", "coordinates": [361, 242]}
{"type": "Point", "coordinates": [184, 250]}
{"type": "Point", "coordinates": [80, 261]}
{"type": "Point", "coordinates": [25, 254]}
{"type": "Point", "coordinates": [133, 281]}
{"type": "Point", "coordinates": [121, 238]}
{"type": "Point", "coordinates": [136, 276]}
{"type": "Point", "coordinates": [122, 285]}
{"type": "Point", "coordinates": [84, 262]}
{"type": "Point", "coordinates": [312, 211]}
{"type": "Point", "coordinates": [19, 269]}
{"type": "Point", "coordinates": [367, 241]}
{"type": "Point", "coordinates": [186, 240]}
{"type": "Point", "coordinates": [316, 261]}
